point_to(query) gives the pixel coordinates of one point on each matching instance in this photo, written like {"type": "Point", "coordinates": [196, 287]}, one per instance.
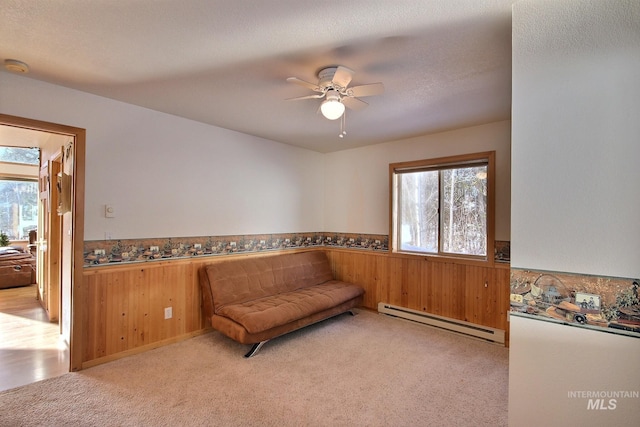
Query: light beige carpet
{"type": "Point", "coordinates": [365, 370]}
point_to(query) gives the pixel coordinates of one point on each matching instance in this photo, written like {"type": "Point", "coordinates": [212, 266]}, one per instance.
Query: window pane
{"type": "Point", "coordinates": [464, 210]}
{"type": "Point", "coordinates": [18, 208]}
{"type": "Point", "coordinates": [418, 219]}
{"type": "Point", "coordinates": [27, 156]}
{"type": "Point", "coordinates": [442, 206]}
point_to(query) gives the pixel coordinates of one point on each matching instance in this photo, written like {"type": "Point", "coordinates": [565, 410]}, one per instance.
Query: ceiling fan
{"type": "Point", "coordinates": [333, 85]}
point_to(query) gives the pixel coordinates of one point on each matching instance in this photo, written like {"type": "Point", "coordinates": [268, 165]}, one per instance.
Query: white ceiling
{"type": "Point", "coordinates": [445, 64]}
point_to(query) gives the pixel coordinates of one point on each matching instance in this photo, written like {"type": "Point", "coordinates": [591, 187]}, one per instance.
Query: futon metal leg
{"type": "Point", "coordinates": [255, 349]}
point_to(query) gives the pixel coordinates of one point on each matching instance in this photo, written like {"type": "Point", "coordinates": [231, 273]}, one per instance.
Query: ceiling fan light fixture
{"type": "Point", "coordinates": [332, 110]}
{"type": "Point", "coordinates": [333, 86]}
{"type": "Point", "coordinates": [331, 107]}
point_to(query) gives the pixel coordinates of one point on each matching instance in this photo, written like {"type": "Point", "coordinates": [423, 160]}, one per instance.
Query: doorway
{"type": "Point", "coordinates": [31, 344]}
{"type": "Point", "coordinates": [63, 149]}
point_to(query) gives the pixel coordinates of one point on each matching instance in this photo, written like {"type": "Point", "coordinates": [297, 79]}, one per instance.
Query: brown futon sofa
{"type": "Point", "coordinates": [254, 299]}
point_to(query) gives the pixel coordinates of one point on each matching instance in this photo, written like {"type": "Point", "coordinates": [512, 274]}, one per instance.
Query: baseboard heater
{"type": "Point", "coordinates": [483, 332]}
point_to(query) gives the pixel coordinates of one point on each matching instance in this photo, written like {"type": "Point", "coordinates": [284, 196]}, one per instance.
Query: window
{"type": "Point", "coordinates": [26, 156]}
{"type": "Point", "coordinates": [18, 194]}
{"type": "Point", "coordinates": [18, 207]}
{"type": "Point", "coordinates": [443, 206]}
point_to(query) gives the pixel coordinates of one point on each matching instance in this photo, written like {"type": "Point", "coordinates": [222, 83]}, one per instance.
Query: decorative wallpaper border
{"type": "Point", "coordinates": [503, 251]}
{"type": "Point", "coordinates": [100, 252]}
{"type": "Point", "coordinates": [599, 302]}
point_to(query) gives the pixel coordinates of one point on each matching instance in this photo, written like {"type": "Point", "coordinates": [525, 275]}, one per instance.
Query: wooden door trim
{"type": "Point", "coordinates": [54, 249]}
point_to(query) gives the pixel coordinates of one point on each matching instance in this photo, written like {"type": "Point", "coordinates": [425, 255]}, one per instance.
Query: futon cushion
{"type": "Point", "coordinates": [265, 313]}
{"type": "Point", "coordinates": [241, 280]}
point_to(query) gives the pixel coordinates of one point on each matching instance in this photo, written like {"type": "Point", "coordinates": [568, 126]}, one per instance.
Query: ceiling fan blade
{"type": "Point", "coordinates": [320, 95]}
{"type": "Point", "coordinates": [343, 76]}
{"type": "Point", "coordinates": [366, 90]}
{"type": "Point", "coordinates": [354, 103]}
{"type": "Point", "coordinates": [308, 85]}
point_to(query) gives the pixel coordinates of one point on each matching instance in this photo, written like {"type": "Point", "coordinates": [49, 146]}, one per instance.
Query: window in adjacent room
{"type": "Point", "coordinates": [20, 155]}
{"type": "Point", "coordinates": [443, 206]}
{"type": "Point", "coordinates": [18, 207]}
{"type": "Point", "coordinates": [18, 195]}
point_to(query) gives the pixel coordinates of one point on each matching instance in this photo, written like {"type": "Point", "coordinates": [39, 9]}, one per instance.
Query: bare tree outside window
{"type": "Point", "coordinates": [464, 211]}
{"type": "Point", "coordinates": [18, 196]}
{"type": "Point", "coordinates": [27, 156]}
{"type": "Point", "coordinates": [419, 197]}
{"type": "Point", "coordinates": [18, 208]}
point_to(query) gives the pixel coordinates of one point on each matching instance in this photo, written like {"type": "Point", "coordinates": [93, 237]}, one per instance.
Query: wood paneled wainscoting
{"type": "Point", "coordinates": [124, 305]}
{"type": "Point", "coordinates": [458, 289]}
{"type": "Point", "coordinates": [124, 311]}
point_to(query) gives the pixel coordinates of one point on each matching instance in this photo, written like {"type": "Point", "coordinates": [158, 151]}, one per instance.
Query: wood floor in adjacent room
{"type": "Point", "coordinates": [31, 348]}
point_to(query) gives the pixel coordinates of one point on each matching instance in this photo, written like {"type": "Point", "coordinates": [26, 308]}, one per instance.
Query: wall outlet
{"type": "Point", "coordinates": [168, 312]}
{"type": "Point", "coordinates": [154, 248]}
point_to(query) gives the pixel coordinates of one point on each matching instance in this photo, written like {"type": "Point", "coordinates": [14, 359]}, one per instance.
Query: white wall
{"type": "Point", "coordinates": [357, 181]}
{"type": "Point", "coordinates": [548, 361]}
{"type": "Point", "coordinates": [167, 176]}
{"type": "Point", "coordinates": [576, 136]}
{"type": "Point", "coordinates": [575, 204]}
